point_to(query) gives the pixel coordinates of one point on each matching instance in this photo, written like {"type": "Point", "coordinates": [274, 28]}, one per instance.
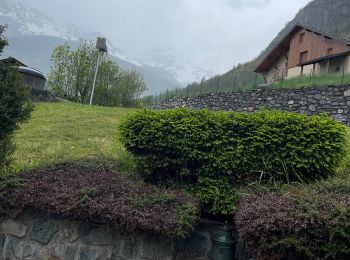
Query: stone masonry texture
{"type": "Point", "coordinates": [29, 235]}
{"type": "Point", "coordinates": [334, 100]}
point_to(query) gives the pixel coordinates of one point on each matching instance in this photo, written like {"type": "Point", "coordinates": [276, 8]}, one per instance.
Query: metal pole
{"type": "Point", "coordinates": [200, 90]}
{"type": "Point", "coordinates": [310, 78]}
{"type": "Point", "coordinates": [234, 84]}
{"type": "Point", "coordinates": [93, 86]}
{"type": "Point", "coordinates": [342, 79]}
{"type": "Point", "coordinates": [217, 84]}
{"type": "Point", "coordinates": [188, 88]}
{"type": "Point", "coordinates": [256, 79]}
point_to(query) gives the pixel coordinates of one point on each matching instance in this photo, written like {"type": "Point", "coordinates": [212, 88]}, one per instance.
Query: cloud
{"type": "Point", "coordinates": [208, 33]}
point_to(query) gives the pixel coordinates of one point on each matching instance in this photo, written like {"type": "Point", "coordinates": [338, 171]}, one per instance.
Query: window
{"type": "Point", "coordinates": [301, 37]}
{"type": "Point", "coordinates": [303, 56]}
{"type": "Point", "coordinates": [329, 51]}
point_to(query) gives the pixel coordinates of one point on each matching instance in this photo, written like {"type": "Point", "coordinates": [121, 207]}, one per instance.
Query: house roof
{"type": "Point", "coordinates": [12, 61]}
{"type": "Point", "coordinates": [22, 68]}
{"type": "Point", "coordinates": [31, 71]}
{"type": "Point", "coordinates": [283, 45]}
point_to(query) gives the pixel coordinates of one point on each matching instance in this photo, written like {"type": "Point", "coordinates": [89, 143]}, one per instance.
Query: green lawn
{"type": "Point", "coordinates": [65, 131]}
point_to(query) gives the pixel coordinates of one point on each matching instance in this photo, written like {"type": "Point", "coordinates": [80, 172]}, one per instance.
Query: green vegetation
{"type": "Point", "coordinates": [66, 131]}
{"type": "Point", "coordinates": [239, 78]}
{"type": "Point", "coordinates": [313, 81]}
{"type": "Point", "coordinates": [205, 87]}
{"type": "Point", "coordinates": [15, 105]}
{"type": "Point", "coordinates": [72, 75]}
{"type": "Point", "coordinates": [212, 153]}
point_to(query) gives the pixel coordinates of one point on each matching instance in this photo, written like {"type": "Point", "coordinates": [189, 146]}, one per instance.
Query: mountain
{"type": "Point", "coordinates": [185, 73]}
{"type": "Point", "coordinates": [331, 16]}
{"type": "Point", "coordinates": [33, 36]}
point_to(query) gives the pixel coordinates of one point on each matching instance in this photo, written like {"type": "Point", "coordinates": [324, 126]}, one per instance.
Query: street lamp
{"type": "Point", "coordinates": [101, 46]}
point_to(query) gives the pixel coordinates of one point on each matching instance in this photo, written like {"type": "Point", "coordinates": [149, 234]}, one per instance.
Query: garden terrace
{"type": "Point", "coordinates": [103, 197]}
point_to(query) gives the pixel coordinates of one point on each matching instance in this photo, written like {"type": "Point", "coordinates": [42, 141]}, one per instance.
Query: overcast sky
{"type": "Point", "coordinates": [214, 34]}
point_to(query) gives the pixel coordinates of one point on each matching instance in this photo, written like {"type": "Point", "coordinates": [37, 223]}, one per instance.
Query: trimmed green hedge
{"type": "Point", "coordinates": [231, 149]}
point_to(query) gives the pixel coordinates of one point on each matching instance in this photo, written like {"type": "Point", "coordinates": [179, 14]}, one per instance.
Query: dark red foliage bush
{"type": "Point", "coordinates": [102, 197]}
{"type": "Point", "coordinates": [311, 222]}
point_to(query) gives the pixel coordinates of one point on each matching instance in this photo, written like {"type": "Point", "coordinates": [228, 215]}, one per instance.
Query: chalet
{"type": "Point", "coordinates": [304, 51]}
{"type": "Point", "coordinates": [32, 77]}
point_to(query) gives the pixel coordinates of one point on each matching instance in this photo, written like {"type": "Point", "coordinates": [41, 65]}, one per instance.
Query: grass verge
{"type": "Point", "coordinates": [313, 81]}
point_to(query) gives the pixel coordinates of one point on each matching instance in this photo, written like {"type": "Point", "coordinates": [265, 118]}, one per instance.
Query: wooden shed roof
{"type": "Point", "coordinates": [12, 61]}
{"type": "Point", "coordinates": [283, 45]}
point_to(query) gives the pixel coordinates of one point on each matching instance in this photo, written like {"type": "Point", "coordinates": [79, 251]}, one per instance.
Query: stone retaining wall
{"type": "Point", "coordinates": [32, 236]}
{"type": "Point", "coordinates": [335, 100]}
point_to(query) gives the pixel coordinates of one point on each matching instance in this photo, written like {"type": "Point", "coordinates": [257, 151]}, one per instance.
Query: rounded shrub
{"type": "Point", "coordinates": [232, 149]}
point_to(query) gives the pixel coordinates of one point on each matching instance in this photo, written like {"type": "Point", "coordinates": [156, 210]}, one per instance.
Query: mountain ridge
{"type": "Point", "coordinates": [325, 15]}
{"type": "Point", "coordinates": [33, 36]}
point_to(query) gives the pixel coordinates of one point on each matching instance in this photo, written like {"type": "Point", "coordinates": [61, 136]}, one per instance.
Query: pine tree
{"type": "Point", "coordinates": [15, 104]}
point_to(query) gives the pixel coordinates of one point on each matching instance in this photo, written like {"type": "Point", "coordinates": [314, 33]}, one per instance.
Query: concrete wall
{"type": "Point", "coordinates": [334, 100]}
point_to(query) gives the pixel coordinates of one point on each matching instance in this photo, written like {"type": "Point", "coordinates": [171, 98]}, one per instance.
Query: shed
{"type": "Point", "coordinates": [32, 77]}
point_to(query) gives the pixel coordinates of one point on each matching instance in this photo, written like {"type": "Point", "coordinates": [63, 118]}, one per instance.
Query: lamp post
{"type": "Point", "coordinates": [101, 46]}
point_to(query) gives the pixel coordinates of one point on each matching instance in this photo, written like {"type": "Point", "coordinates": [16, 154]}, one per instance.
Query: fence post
{"type": "Point", "coordinates": [200, 90]}
{"type": "Point", "coordinates": [256, 80]}
{"type": "Point", "coordinates": [166, 95]}
{"type": "Point", "coordinates": [310, 78]}
{"type": "Point", "coordinates": [234, 84]}
{"type": "Point", "coordinates": [217, 84]}
{"type": "Point", "coordinates": [188, 88]}
{"type": "Point", "coordinates": [342, 79]}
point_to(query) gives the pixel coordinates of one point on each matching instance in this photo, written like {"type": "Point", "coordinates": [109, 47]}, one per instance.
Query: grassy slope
{"type": "Point", "coordinates": [314, 81]}
{"type": "Point", "coordinates": [59, 132]}
{"type": "Point", "coordinates": [66, 131]}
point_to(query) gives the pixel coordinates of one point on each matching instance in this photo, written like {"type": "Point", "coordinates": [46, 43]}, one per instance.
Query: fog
{"type": "Point", "coordinates": [215, 34]}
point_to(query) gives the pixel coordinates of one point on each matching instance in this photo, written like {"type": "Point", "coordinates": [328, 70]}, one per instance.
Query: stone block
{"type": "Point", "coordinates": [68, 232]}
{"type": "Point", "coordinates": [95, 235]}
{"type": "Point", "coordinates": [43, 231]}
{"type": "Point", "coordinates": [129, 249]}
{"type": "Point", "coordinates": [157, 249]}
{"type": "Point", "coordinates": [194, 246]}
{"type": "Point", "coordinates": [95, 253]}
{"type": "Point", "coordinates": [318, 96]}
{"type": "Point", "coordinates": [15, 248]}
{"type": "Point", "coordinates": [58, 251]}
{"type": "Point", "coordinates": [312, 108]}
{"type": "Point", "coordinates": [11, 227]}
